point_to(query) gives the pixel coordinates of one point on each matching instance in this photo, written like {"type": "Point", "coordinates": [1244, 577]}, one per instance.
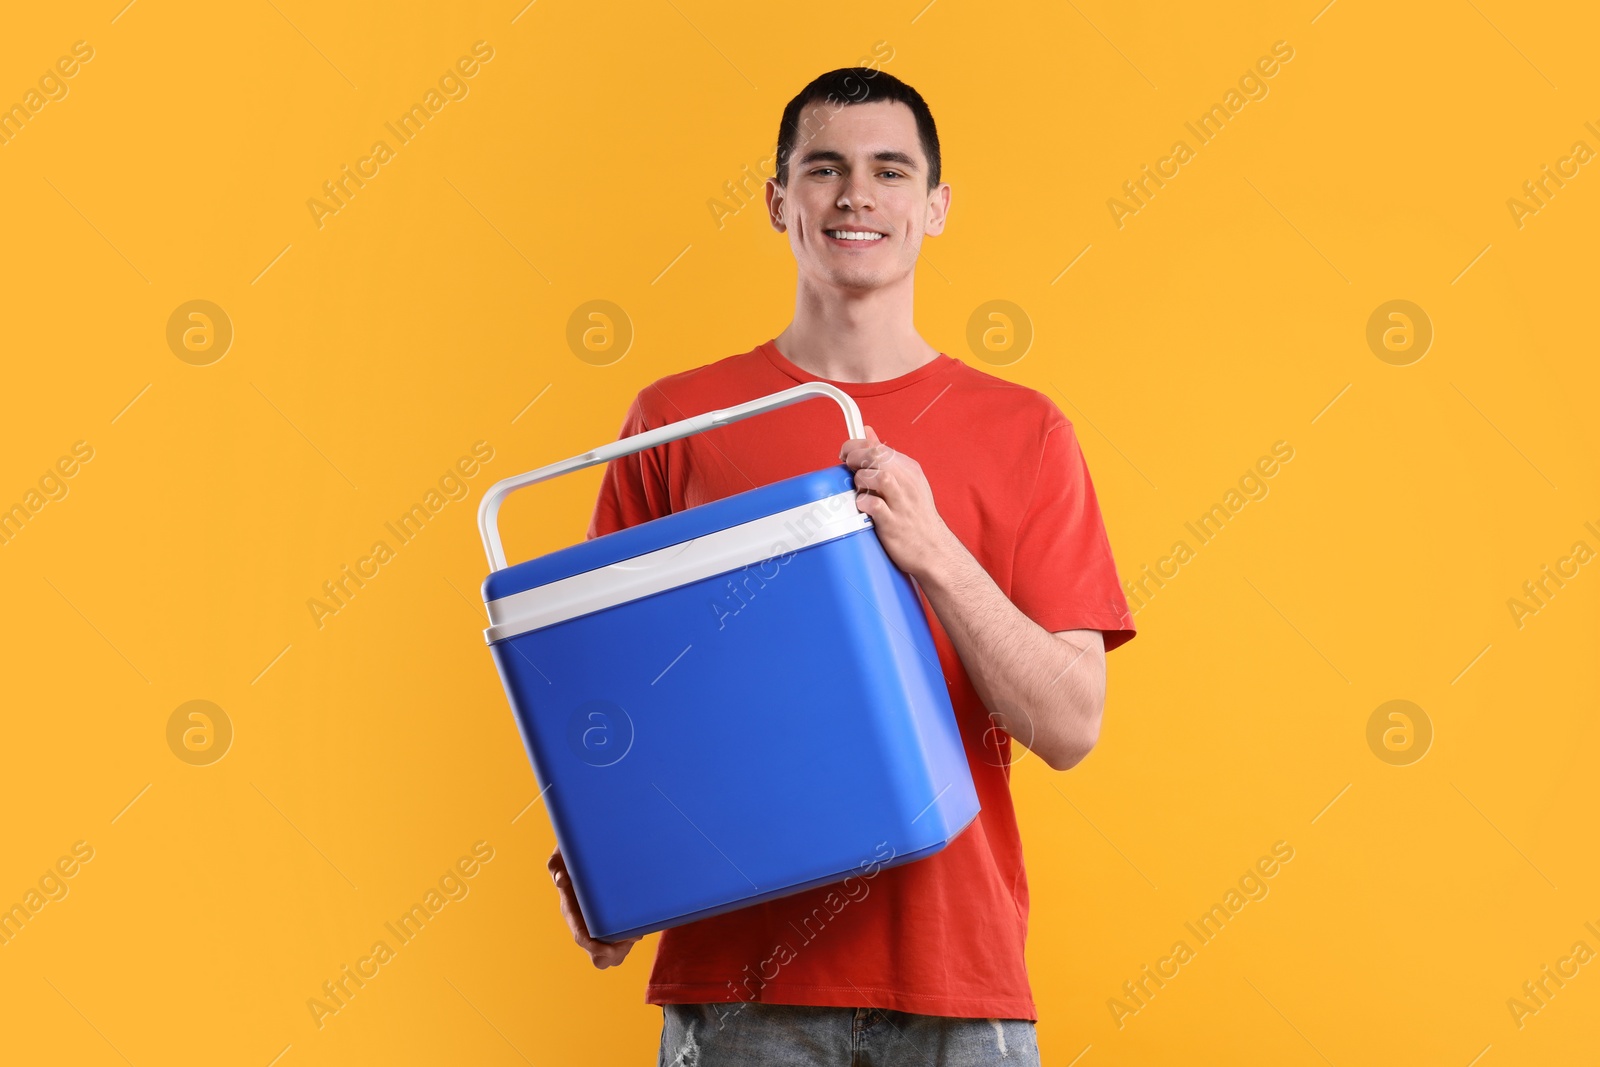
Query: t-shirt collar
{"type": "Point", "coordinates": [938, 363]}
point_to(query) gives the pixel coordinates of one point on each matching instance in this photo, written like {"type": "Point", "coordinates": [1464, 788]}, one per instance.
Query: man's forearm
{"type": "Point", "coordinates": [1044, 691]}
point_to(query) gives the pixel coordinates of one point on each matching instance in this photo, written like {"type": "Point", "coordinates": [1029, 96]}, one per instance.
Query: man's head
{"type": "Point", "coordinates": [858, 154]}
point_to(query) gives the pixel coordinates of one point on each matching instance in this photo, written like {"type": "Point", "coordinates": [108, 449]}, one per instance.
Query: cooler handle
{"type": "Point", "coordinates": [489, 509]}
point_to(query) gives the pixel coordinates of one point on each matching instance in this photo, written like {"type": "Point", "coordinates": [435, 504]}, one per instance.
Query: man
{"type": "Point", "coordinates": [977, 489]}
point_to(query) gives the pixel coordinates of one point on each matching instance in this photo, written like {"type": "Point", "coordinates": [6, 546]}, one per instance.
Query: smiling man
{"type": "Point", "coordinates": [977, 489]}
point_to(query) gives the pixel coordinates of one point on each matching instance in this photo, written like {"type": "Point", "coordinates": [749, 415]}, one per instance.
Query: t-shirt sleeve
{"type": "Point", "coordinates": [633, 488]}
{"type": "Point", "coordinates": [1063, 576]}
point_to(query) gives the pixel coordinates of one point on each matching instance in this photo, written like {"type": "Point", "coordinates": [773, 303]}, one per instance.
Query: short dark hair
{"type": "Point", "coordinates": [856, 85]}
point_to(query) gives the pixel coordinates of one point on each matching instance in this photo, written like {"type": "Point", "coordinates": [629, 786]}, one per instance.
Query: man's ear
{"type": "Point", "coordinates": [938, 209]}
{"type": "Point", "coordinates": [775, 195]}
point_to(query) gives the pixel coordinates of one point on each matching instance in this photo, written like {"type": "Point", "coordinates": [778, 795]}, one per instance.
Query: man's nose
{"type": "Point", "coordinates": [856, 194]}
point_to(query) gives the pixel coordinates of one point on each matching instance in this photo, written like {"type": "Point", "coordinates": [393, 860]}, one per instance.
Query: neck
{"type": "Point", "coordinates": [846, 336]}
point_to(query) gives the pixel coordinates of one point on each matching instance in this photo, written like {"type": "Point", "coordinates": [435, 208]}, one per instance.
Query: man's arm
{"type": "Point", "coordinates": [1047, 690]}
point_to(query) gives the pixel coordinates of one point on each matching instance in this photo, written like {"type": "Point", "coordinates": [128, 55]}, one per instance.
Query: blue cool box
{"type": "Point", "coordinates": [729, 704]}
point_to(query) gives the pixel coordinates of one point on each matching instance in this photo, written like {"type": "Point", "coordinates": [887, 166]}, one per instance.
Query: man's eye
{"type": "Point", "coordinates": [892, 174]}
{"type": "Point", "coordinates": [820, 170]}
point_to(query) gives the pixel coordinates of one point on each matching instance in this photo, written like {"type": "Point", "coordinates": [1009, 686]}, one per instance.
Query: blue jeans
{"type": "Point", "coordinates": [787, 1035]}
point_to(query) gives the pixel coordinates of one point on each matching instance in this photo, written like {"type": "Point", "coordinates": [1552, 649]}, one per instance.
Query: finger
{"type": "Point", "coordinates": [572, 913]}
{"type": "Point", "coordinates": [574, 916]}
{"type": "Point", "coordinates": [870, 455]}
{"type": "Point", "coordinates": [602, 960]}
{"type": "Point", "coordinates": [580, 934]}
{"type": "Point", "coordinates": [867, 454]}
{"type": "Point", "coordinates": [891, 479]}
{"type": "Point", "coordinates": [858, 458]}
{"type": "Point", "coordinates": [601, 953]}
{"type": "Point", "coordinates": [872, 505]}
{"type": "Point", "coordinates": [609, 954]}
{"type": "Point", "coordinates": [871, 479]}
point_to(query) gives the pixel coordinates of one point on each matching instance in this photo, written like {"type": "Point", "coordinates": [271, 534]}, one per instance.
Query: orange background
{"type": "Point", "coordinates": [1230, 312]}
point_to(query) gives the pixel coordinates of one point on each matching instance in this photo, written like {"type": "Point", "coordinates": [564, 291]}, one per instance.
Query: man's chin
{"type": "Point", "coordinates": [858, 281]}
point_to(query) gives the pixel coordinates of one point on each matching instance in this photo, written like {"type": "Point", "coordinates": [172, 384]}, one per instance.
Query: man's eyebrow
{"type": "Point", "coordinates": [828, 155]}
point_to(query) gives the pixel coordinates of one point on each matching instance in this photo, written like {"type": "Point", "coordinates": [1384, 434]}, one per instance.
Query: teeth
{"type": "Point", "coordinates": [854, 235]}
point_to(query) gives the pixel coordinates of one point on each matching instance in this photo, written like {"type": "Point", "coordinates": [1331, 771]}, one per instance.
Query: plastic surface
{"type": "Point", "coordinates": [741, 737]}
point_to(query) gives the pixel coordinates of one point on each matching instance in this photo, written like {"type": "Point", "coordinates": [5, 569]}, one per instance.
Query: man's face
{"type": "Point", "coordinates": [853, 174]}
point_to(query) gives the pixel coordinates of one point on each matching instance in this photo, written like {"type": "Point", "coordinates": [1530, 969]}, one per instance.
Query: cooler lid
{"type": "Point", "coordinates": [669, 530]}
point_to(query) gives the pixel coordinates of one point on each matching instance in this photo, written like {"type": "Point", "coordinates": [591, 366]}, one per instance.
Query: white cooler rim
{"type": "Point", "coordinates": [775, 535]}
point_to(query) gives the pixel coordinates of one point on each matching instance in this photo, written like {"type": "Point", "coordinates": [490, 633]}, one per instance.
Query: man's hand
{"type": "Point", "coordinates": [602, 954]}
{"type": "Point", "coordinates": [894, 492]}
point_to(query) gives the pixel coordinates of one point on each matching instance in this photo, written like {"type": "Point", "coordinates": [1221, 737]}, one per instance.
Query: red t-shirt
{"type": "Point", "coordinates": [942, 935]}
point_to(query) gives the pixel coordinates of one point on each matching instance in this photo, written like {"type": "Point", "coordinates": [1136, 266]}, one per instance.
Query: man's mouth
{"type": "Point", "coordinates": [854, 235]}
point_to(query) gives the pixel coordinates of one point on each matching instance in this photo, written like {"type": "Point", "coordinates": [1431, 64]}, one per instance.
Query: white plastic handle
{"type": "Point", "coordinates": [489, 509]}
